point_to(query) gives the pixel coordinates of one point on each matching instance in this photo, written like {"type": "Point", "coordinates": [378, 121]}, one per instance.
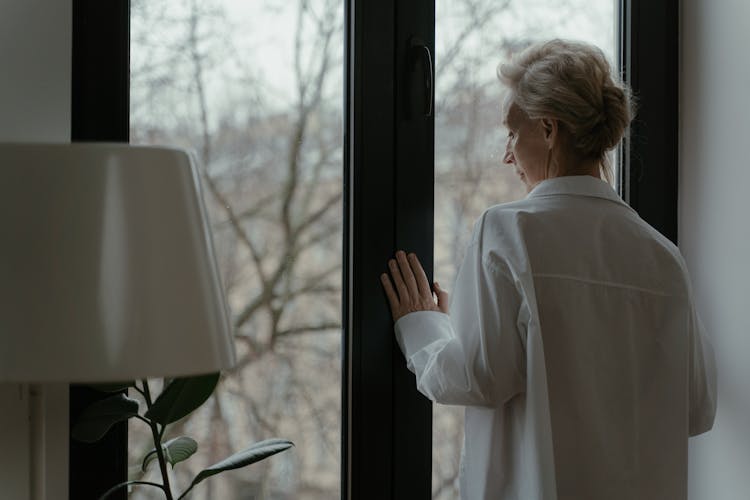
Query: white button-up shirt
{"type": "Point", "coordinates": [574, 343]}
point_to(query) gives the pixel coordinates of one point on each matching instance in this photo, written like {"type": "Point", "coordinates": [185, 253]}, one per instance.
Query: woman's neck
{"type": "Point", "coordinates": [566, 165]}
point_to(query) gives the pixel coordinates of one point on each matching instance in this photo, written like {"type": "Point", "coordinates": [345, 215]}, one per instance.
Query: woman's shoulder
{"type": "Point", "coordinates": [502, 226]}
{"type": "Point", "coordinates": [505, 215]}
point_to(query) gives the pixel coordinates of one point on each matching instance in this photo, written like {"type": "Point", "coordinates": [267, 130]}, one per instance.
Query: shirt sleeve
{"type": "Point", "coordinates": [475, 356]}
{"type": "Point", "coordinates": [701, 367]}
{"type": "Point", "coordinates": [702, 378]}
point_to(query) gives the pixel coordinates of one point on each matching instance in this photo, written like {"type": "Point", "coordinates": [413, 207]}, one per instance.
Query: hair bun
{"type": "Point", "coordinates": [605, 132]}
{"type": "Point", "coordinates": [573, 83]}
{"type": "Point", "coordinates": [617, 113]}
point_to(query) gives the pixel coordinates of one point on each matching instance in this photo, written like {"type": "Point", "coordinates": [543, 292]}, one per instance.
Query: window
{"type": "Point", "coordinates": [387, 437]}
{"type": "Point", "coordinates": [470, 140]}
{"type": "Point", "coordinates": [255, 89]}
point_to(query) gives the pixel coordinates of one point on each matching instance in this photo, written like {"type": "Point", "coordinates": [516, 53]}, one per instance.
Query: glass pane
{"type": "Point", "coordinates": [255, 89]}
{"type": "Point", "coordinates": [472, 38]}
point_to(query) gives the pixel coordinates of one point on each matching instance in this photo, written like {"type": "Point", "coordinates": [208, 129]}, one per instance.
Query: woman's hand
{"type": "Point", "coordinates": [412, 290]}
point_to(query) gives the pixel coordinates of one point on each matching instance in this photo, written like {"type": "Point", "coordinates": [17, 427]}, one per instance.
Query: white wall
{"type": "Point", "coordinates": [35, 50]}
{"type": "Point", "coordinates": [714, 226]}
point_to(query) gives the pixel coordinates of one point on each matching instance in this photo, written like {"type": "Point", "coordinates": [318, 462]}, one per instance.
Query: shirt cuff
{"type": "Point", "coordinates": [416, 330]}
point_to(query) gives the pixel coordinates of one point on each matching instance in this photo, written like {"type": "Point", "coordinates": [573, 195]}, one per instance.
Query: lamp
{"type": "Point", "coordinates": [108, 272]}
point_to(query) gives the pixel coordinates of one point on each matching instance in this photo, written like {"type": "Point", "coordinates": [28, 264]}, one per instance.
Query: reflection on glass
{"type": "Point", "coordinates": [472, 38]}
{"type": "Point", "coordinates": [255, 89]}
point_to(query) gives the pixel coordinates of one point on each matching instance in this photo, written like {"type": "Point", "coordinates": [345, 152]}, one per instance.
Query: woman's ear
{"type": "Point", "coordinates": [550, 128]}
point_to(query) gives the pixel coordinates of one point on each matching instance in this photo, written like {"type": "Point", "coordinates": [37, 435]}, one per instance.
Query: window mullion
{"type": "Point", "coordinates": [389, 183]}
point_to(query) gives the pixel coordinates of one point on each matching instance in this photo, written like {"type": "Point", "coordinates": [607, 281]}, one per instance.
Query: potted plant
{"type": "Point", "coordinates": [180, 397]}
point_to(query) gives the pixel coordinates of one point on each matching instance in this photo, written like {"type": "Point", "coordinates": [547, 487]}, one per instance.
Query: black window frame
{"type": "Point", "coordinates": [649, 58]}
{"type": "Point", "coordinates": [388, 172]}
{"type": "Point", "coordinates": [386, 423]}
{"type": "Point", "coordinates": [100, 112]}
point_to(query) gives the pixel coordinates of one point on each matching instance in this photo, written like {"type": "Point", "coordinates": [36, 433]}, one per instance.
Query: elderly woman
{"type": "Point", "coordinates": [573, 339]}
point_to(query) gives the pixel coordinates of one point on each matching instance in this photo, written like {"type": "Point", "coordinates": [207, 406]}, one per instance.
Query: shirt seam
{"type": "Point", "coordinates": [498, 267]}
{"type": "Point", "coordinates": [618, 200]}
{"type": "Point", "coordinates": [601, 282]}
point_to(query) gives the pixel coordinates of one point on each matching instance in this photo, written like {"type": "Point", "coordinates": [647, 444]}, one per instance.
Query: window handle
{"type": "Point", "coordinates": [420, 52]}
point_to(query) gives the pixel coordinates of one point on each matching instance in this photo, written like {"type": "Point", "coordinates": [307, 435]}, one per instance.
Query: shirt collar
{"type": "Point", "coordinates": [577, 185]}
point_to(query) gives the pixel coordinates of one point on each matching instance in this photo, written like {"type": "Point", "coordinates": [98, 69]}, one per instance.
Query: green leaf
{"type": "Point", "coordinates": [254, 453]}
{"type": "Point", "coordinates": [175, 451]}
{"type": "Point", "coordinates": [150, 456]}
{"type": "Point", "coordinates": [180, 448]}
{"type": "Point", "coordinates": [181, 396]}
{"type": "Point", "coordinates": [98, 418]}
{"type": "Point", "coordinates": [113, 387]}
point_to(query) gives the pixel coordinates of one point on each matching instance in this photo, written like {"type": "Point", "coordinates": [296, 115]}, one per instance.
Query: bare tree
{"type": "Point", "coordinates": [271, 162]}
{"type": "Point", "coordinates": [275, 211]}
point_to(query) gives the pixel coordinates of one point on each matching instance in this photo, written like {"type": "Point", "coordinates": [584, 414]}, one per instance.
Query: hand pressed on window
{"type": "Point", "coordinates": [412, 289]}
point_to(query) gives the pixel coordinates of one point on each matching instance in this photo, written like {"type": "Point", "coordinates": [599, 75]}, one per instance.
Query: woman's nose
{"type": "Point", "coordinates": [508, 158]}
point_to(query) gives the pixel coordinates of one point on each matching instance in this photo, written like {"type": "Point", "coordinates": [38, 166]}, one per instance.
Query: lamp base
{"type": "Point", "coordinates": [48, 441]}
{"type": "Point", "coordinates": [37, 440]}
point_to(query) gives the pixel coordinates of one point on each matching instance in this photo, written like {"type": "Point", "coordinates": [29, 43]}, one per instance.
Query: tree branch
{"type": "Point", "coordinates": [297, 330]}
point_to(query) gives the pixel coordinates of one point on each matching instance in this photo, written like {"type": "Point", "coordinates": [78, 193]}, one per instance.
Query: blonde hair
{"type": "Point", "coordinates": [572, 82]}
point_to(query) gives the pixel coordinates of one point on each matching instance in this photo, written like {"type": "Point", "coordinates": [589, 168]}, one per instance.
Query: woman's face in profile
{"type": "Point", "coordinates": [526, 149]}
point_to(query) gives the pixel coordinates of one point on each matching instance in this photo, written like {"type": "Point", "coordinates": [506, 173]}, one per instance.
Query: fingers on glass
{"type": "Point", "coordinates": [408, 274]}
{"type": "Point", "coordinates": [409, 281]}
{"type": "Point", "coordinates": [403, 292]}
{"type": "Point", "coordinates": [389, 291]}
{"type": "Point", "coordinates": [422, 283]}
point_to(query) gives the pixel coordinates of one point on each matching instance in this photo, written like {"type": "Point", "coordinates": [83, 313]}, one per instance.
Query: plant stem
{"type": "Point", "coordinates": [127, 483]}
{"type": "Point", "coordinates": [157, 444]}
{"type": "Point", "coordinates": [143, 419]}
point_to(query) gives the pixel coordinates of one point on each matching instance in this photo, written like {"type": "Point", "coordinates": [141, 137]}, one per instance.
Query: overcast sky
{"type": "Point", "coordinates": [263, 30]}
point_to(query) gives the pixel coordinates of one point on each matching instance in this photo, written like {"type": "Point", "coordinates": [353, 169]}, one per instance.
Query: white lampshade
{"type": "Point", "coordinates": [107, 270]}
